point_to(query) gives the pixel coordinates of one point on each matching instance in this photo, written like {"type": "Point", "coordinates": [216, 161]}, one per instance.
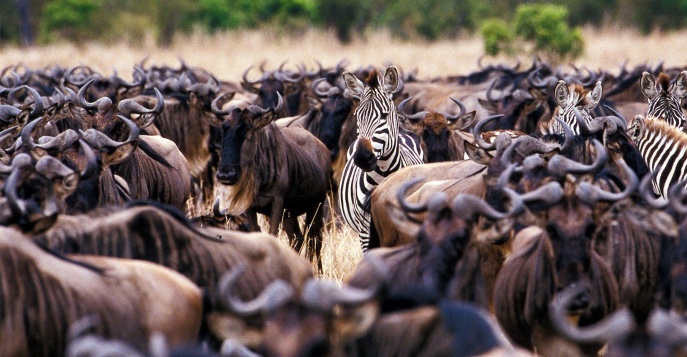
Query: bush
{"type": "Point", "coordinates": [542, 28]}
{"type": "Point", "coordinates": [70, 19]}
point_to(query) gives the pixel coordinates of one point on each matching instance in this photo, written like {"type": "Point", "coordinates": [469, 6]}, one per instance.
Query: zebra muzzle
{"type": "Point", "coordinates": [364, 156]}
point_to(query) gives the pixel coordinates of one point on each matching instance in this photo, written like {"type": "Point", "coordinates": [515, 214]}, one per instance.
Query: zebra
{"type": "Point", "coordinates": [664, 149]}
{"type": "Point", "coordinates": [379, 150]}
{"type": "Point", "coordinates": [664, 98]}
{"type": "Point", "coordinates": [568, 98]}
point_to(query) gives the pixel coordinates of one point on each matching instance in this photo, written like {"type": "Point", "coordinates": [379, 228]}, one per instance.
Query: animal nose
{"type": "Point", "coordinates": [227, 176]}
{"type": "Point", "coordinates": [366, 160]}
{"type": "Point", "coordinates": [580, 302]}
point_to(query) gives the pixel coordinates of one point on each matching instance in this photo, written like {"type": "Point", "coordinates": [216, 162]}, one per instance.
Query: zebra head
{"type": "Point", "coordinates": [569, 98]}
{"type": "Point", "coordinates": [664, 98]}
{"type": "Point", "coordinates": [376, 116]}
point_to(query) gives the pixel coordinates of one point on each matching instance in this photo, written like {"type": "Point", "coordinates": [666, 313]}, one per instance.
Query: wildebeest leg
{"type": "Point", "coordinates": [276, 215]}
{"type": "Point", "coordinates": [315, 219]}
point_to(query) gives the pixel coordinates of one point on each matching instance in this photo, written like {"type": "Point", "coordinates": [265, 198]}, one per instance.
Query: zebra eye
{"type": "Point", "coordinates": [385, 115]}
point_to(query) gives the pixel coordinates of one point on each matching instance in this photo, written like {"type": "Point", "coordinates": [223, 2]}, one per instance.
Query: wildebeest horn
{"type": "Point", "coordinates": [567, 134]}
{"type": "Point", "coordinates": [676, 197]}
{"type": "Point", "coordinates": [457, 115]}
{"type": "Point", "coordinates": [274, 295]}
{"type": "Point", "coordinates": [560, 165]}
{"type": "Point", "coordinates": [617, 114]}
{"type": "Point", "coordinates": [333, 90]}
{"type": "Point", "coordinates": [489, 95]}
{"type": "Point", "coordinates": [20, 164]}
{"type": "Point", "coordinates": [590, 193]}
{"type": "Point", "coordinates": [477, 132]}
{"type": "Point", "coordinates": [129, 106]}
{"type": "Point", "coordinates": [37, 100]}
{"type": "Point", "coordinates": [614, 326]}
{"type": "Point", "coordinates": [538, 83]}
{"type": "Point", "coordinates": [258, 110]}
{"type": "Point", "coordinates": [52, 168]}
{"type": "Point", "coordinates": [407, 206]}
{"type": "Point", "coordinates": [215, 209]}
{"type": "Point", "coordinates": [100, 140]}
{"type": "Point", "coordinates": [671, 329]}
{"type": "Point", "coordinates": [26, 138]}
{"type": "Point", "coordinates": [8, 111]}
{"type": "Point", "coordinates": [280, 75]}
{"type": "Point", "coordinates": [245, 80]}
{"type": "Point", "coordinates": [91, 160]}
{"type": "Point", "coordinates": [214, 106]}
{"type": "Point", "coordinates": [122, 83]}
{"type": "Point", "coordinates": [468, 206]}
{"type": "Point", "coordinates": [548, 194]}
{"type": "Point", "coordinates": [68, 75]}
{"type": "Point", "coordinates": [416, 116]}
{"type": "Point", "coordinates": [100, 104]}
{"type": "Point", "coordinates": [646, 191]}
{"type": "Point", "coordinates": [324, 294]}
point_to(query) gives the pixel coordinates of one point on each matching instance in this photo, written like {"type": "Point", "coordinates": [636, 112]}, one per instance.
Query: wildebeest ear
{"type": "Point", "coordinates": [487, 105]}
{"type": "Point", "coordinates": [120, 153]}
{"type": "Point", "coordinates": [681, 85]}
{"type": "Point", "coordinates": [143, 120]}
{"type": "Point", "coordinates": [212, 119]}
{"type": "Point", "coordinates": [477, 154]}
{"type": "Point", "coordinates": [414, 125]}
{"type": "Point", "coordinates": [637, 127]}
{"type": "Point", "coordinates": [354, 85]}
{"type": "Point", "coordinates": [648, 85]}
{"type": "Point", "coordinates": [561, 94]}
{"type": "Point", "coordinates": [262, 120]}
{"type": "Point", "coordinates": [463, 121]}
{"type": "Point", "coordinates": [353, 322]}
{"type": "Point", "coordinates": [594, 96]}
{"type": "Point", "coordinates": [230, 327]}
{"type": "Point", "coordinates": [391, 80]}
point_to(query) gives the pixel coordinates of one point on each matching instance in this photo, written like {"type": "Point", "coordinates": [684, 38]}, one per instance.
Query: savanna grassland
{"type": "Point", "coordinates": [227, 55]}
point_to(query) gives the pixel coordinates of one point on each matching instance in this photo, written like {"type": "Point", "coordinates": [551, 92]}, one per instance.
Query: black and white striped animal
{"type": "Point", "coordinates": [572, 100]}
{"type": "Point", "coordinates": [664, 149]}
{"type": "Point", "coordinates": [380, 149]}
{"type": "Point", "coordinates": [664, 97]}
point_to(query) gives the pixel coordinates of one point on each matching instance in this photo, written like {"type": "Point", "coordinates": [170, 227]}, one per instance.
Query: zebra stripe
{"type": "Point", "coordinates": [664, 149]}
{"type": "Point", "coordinates": [571, 99]}
{"type": "Point", "coordinates": [378, 125]}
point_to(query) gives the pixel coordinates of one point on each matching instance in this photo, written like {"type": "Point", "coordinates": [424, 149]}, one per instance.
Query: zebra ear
{"type": "Point", "coordinates": [594, 96]}
{"type": "Point", "coordinates": [391, 80]}
{"type": "Point", "coordinates": [354, 85]}
{"type": "Point", "coordinates": [681, 85]}
{"type": "Point", "coordinates": [648, 85]}
{"type": "Point", "coordinates": [561, 94]}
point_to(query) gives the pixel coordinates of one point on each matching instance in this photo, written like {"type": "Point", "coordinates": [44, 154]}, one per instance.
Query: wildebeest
{"type": "Point", "coordinates": [270, 170]}
{"type": "Point", "coordinates": [130, 299]}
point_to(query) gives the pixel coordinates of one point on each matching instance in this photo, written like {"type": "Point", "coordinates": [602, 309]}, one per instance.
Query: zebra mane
{"type": "Point", "coordinates": [579, 95]}
{"type": "Point", "coordinates": [663, 81]}
{"type": "Point", "coordinates": [656, 125]}
{"type": "Point", "coordinates": [372, 79]}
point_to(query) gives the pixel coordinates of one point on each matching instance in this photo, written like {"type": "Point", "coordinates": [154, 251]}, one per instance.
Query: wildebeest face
{"type": "Point", "coordinates": [335, 110]}
{"type": "Point", "coordinates": [234, 132]}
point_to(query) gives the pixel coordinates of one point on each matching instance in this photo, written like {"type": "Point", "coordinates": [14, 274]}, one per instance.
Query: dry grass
{"type": "Point", "coordinates": [227, 55]}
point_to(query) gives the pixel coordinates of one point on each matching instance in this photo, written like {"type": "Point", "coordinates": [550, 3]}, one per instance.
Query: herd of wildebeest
{"type": "Point", "coordinates": [549, 215]}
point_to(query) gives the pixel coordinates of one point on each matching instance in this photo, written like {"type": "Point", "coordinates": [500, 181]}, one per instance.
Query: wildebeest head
{"type": "Point", "coordinates": [336, 108]}
{"type": "Point", "coordinates": [277, 82]}
{"type": "Point", "coordinates": [436, 131]}
{"type": "Point", "coordinates": [239, 126]}
{"type": "Point", "coordinates": [315, 321]}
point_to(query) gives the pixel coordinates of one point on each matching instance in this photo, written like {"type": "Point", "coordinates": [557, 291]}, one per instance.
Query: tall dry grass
{"type": "Point", "coordinates": [228, 54]}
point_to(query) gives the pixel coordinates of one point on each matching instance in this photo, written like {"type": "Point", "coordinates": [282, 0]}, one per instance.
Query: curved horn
{"type": "Point", "coordinates": [215, 209]}
{"type": "Point", "coordinates": [100, 104]}
{"type": "Point", "coordinates": [8, 111]}
{"type": "Point", "coordinates": [258, 110]}
{"type": "Point", "coordinates": [416, 116]}
{"type": "Point", "coordinates": [91, 160]}
{"type": "Point", "coordinates": [548, 194]}
{"type": "Point", "coordinates": [646, 191]}
{"type": "Point", "coordinates": [676, 197]}
{"type": "Point", "coordinates": [129, 106]}
{"type": "Point", "coordinates": [477, 132]}
{"type": "Point", "coordinates": [468, 206]}
{"type": "Point", "coordinates": [590, 193]}
{"type": "Point", "coordinates": [489, 91]}
{"type": "Point", "coordinates": [614, 326]}
{"type": "Point", "coordinates": [333, 90]}
{"type": "Point", "coordinates": [20, 164]}
{"type": "Point", "coordinates": [134, 131]}
{"type": "Point", "coordinates": [457, 115]}
{"type": "Point", "coordinates": [26, 138]}
{"type": "Point", "coordinates": [324, 294]}
{"type": "Point", "coordinates": [407, 206]}
{"type": "Point", "coordinates": [244, 77]}
{"type": "Point", "coordinates": [7, 133]}
{"type": "Point", "coordinates": [274, 295]}
{"type": "Point", "coordinates": [37, 100]}
{"type": "Point", "coordinates": [560, 165]}
{"type": "Point", "coordinates": [538, 83]}
{"type": "Point", "coordinates": [215, 102]}
{"type": "Point", "coordinates": [567, 134]}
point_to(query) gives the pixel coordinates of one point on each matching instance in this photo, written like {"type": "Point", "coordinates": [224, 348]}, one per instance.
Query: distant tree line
{"type": "Point", "coordinates": [42, 21]}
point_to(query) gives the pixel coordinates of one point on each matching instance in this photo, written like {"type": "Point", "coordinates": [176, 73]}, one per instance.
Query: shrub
{"type": "Point", "coordinates": [70, 19]}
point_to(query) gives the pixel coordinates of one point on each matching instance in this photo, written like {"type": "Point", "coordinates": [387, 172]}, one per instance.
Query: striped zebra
{"type": "Point", "coordinates": [664, 98]}
{"type": "Point", "coordinates": [569, 97]}
{"type": "Point", "coordinates": [664, 149]}
{"type": "Point", "coordinates": [379, 150]}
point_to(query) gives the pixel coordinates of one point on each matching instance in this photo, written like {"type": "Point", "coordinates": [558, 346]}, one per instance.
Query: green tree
{"type": "Point", "coordinates": [69, 19]}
